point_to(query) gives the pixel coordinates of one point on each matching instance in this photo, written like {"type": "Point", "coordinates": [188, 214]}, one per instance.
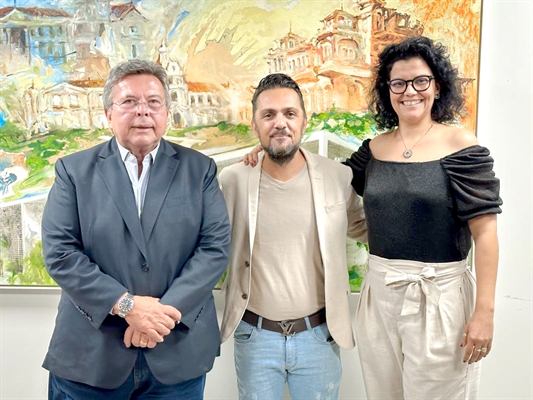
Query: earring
{"type": "Point", "coordinates": [437, 96]}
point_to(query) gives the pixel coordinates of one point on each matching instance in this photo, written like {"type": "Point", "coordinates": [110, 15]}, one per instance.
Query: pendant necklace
{"type": "Point", "coordinates": [409, 152]}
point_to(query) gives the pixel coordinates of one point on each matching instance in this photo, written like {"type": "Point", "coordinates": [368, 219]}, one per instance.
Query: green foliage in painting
{"type": "Point", "coordinates": [11, 136]}
{"type": "Point", "coordinates": [343, 123]}
{"type": "Point", "coordinates": [242, 130]}
{"type": "Point", "coordinates": [42, 151]}
{"type": "Point", "coordinates": [356, 273]}
{"type": "Point", "coordinates": [33, 270]}
{"type": "Point", "coordinates": [356, 278]}
{"type": "Point", "coordinates": [238, 130]}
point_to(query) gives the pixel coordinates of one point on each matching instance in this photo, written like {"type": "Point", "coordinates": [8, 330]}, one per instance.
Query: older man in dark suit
{"type": "Point", "coordinates": [136, 233]}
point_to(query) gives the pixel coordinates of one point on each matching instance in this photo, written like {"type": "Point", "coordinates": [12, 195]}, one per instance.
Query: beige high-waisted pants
{"type": "Point", "coordinates": [409, 323]}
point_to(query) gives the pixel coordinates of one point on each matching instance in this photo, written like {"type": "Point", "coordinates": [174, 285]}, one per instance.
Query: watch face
{"type": "Point", "coordinates": [125, 305]}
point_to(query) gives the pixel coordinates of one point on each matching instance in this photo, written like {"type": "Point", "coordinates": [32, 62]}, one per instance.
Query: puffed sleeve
{"type": "Point", "coordinates": [358, 162]}
{"type": "Point", "coordinates": [474, 186]}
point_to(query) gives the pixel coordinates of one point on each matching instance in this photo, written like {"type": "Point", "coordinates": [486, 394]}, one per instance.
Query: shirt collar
{"type": "Point", "coordinates": [124, 152]}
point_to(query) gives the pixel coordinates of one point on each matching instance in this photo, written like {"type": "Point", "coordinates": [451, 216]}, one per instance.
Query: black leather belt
{"type": "Point", "coordinates": [288, 327]}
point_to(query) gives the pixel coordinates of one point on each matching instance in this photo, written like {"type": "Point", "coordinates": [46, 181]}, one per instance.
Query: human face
{"type": "Point", "coordinates": [412, 106]}
{"type": "Point", "coordinates": [140, 129]}
{"type": "Point", "coordinates": [279, 122]}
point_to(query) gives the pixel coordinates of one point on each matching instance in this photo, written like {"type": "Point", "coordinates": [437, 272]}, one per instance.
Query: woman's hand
{"type": "Point", "coordinates": [479, 329]}
{"type": "Point", "coordinates": [477, 338]}
{"type": "Point", "coordinates": [251, 158]}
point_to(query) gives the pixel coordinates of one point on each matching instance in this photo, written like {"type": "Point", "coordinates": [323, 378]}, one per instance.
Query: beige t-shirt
{"type": "Point", "coordinates": [287, 271]}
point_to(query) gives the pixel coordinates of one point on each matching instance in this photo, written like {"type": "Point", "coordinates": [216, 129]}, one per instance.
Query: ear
{"type": "Point", "coordinates": [437, 88]}
{"type": "Point", "coordinates": [254, 128]}
{"type": "Point", "coordinates": [107, 113]}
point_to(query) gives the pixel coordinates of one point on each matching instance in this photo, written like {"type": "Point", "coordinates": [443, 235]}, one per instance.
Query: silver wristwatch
{"type": "Point", "coordinates": [125, 305]}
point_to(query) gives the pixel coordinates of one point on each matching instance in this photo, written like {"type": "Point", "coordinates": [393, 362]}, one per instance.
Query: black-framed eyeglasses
{"type": "Point", "coordinates": [420, 84]}
{"type": "Point", "coordinates": [154, 105]}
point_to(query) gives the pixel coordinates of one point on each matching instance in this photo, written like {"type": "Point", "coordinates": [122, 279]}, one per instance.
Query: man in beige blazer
{"type": "Point", "coordinates": [287, 288]}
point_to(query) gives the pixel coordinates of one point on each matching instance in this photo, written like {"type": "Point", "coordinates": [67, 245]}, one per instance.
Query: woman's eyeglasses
{"type": "Point", "coordinates": [420, 84]}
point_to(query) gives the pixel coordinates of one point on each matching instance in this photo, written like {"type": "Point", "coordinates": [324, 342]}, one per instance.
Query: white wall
{"type": "Point", "coordinates": [505, 126]}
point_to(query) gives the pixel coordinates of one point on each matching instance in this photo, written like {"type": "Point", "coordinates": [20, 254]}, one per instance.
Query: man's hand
{"type": "Point", "coordinates": [153, 319]}
{"type": "Point", "coordinates": [137, 339]}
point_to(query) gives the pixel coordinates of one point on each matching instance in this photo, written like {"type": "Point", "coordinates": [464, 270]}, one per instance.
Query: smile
{"type": "Point", "coordinates": [411, 102]}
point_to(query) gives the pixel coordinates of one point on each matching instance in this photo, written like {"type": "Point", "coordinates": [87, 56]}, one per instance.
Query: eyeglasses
{"type": "Point", "coordinates": [153, 105]}
{"type": "Point", "coordinates": [420, 84]}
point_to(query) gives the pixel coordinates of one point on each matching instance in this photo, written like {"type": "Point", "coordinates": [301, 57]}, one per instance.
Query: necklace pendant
{"type": "Point", "coordinates": [407, 153]}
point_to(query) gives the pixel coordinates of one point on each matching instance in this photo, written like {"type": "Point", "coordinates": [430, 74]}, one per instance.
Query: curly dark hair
{"type": "Point", "coordinates": [275, 81]}
{"type": "Point", "coordinates": [450, 104]}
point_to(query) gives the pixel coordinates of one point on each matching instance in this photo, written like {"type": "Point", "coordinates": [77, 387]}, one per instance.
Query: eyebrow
{"type": "Point", "coordinates": [149, 96]}
{"type": "Point", "coordinates": [418, 76]}
{"type": "Point", "coordinates": [273, 110]}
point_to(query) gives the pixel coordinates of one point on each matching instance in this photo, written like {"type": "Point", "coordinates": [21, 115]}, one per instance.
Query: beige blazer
{"type": "Point", "coordinates": [338, 211]}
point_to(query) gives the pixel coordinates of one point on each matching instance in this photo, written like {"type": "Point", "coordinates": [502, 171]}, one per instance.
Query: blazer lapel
{"type": "Point", "coordinates": [319, 201]}
{"type": "Point", "coordinates": [254, 178]}
{"type": "Point", "coordinates": [115, 177]}
{"type": "Point", "coordinates": [161, 176]}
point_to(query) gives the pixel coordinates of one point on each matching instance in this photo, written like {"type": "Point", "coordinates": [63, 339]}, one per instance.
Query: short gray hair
{"type": "Point", "coordinates": [134, 67]}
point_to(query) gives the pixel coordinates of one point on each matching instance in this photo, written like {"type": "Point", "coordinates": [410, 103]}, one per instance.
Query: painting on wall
{"type": "Point", "coordinates": [55, 56]}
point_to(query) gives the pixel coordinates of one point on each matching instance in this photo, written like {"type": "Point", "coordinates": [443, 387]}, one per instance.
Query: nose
{"type": "Point", "coordinates": [280, 122]}
{"type": "Point", "coordinates": [144, 110]}
{"type": "Point", "coordinates": [410, 88]}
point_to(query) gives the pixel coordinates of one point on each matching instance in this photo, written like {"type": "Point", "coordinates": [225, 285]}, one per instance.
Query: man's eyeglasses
{"type": "Point", "coordinates": [420, 84]}
{"type": "Point", "coordinates": [154, 105]}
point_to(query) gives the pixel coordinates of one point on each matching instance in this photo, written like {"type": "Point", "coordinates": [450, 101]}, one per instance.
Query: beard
{"type": "Point", "coordinates": [281, 155]}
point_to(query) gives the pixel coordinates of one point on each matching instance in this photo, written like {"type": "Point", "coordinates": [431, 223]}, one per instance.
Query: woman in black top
{"type": "Point", "coordinates": [428, 190]}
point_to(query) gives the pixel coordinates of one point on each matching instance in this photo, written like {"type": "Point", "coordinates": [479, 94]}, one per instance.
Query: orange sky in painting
{"type": "Point", "coordinates": [227, 41]}
{"type": "Point", "coordinates": [247, 28]}
{"type": "Point", "coordinates": [455, 23]}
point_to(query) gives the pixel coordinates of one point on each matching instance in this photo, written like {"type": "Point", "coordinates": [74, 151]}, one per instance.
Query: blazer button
{"type": "Point", "coordinates": [244, 296]}
{"type": "Point", "coordinates": [246, 264]}
{"type": "Point", "coordinates": [145, 267]}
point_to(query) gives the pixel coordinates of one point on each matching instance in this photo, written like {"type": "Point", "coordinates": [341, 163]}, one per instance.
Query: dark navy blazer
{"type": "Point", "coordinates": [96, 248]}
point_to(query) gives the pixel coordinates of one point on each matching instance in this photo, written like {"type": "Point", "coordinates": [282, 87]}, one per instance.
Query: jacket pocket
{"type": "Point", "coordinates": [181, 200]}
{"type": "Point", "coordinates": [340, 206]}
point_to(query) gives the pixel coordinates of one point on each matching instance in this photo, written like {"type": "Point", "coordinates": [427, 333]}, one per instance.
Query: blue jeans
{"type": "Point", "coordinates": [309, 362]}
{"type": "Point", "coordinates": [141, 384]}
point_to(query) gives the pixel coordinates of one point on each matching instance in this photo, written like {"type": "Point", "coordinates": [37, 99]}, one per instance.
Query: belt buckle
{"type": "Point", "coordinates": [287, 326]}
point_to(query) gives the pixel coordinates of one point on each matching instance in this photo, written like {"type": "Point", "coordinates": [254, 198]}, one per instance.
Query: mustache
{"type": "Point", "coordinates": [283, 132]}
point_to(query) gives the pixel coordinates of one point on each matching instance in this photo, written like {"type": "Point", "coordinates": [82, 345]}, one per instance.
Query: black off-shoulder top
{"type": "Point", "coordinates": [420, 210]}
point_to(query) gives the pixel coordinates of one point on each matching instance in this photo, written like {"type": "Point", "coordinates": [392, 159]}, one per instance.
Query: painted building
{"type": "Point", "coordinates": [30, 32]}
{"type": "Point", "coordinates": [333, 68]}
{"type": "Point", "coordinates": [89, 22]}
